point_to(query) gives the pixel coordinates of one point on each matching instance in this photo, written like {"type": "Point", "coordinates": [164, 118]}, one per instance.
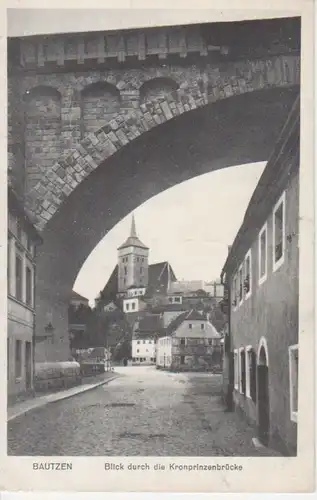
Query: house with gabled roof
{"type": "Point", "coordinates": [191, 343]}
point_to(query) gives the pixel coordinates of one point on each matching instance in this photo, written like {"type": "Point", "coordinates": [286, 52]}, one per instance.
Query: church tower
{"type": "Point", "coordinates": [133, 262]}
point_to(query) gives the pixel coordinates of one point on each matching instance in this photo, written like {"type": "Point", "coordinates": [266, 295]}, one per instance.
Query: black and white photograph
{"type": "Point", "coordinates": [153, 194]}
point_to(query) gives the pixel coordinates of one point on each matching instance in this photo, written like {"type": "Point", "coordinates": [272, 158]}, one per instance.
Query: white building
{"type": "Point", "coordinates": [144, 350]}
{"type": "Point", "coordinates": [164, 352]}
{"type": "Point", "coordinates": [146, 331]}
{"type": "Point", "coordinates": [133, 305]}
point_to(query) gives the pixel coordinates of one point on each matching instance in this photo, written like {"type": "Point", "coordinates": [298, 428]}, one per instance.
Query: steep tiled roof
{"type": "Point", "coordinates": [175, 323]}
{"type": "Point", "coordinates": [77, 296]}
{"type": "Point", "coordinates": [169, 308]}
{"type": "Point", "coordinates": [159, 274]}
{"type": "Point", "coordinates": [196, 315]}
{"type": "Point", "coordinates": [158, 280]}
{"type": "Point", "coordinates": [149, 324]}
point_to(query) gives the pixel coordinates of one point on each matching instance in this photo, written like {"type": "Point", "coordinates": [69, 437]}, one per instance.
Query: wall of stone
{"type": "Point", "coordinates": [42, 131]}
{"type": "Point", "coordinates": [100, 103]}
{"type": "Point", "coordinates": [76, 104]}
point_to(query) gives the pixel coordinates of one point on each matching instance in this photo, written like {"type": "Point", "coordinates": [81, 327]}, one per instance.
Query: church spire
{"type": "Point", "coordinates": [133, 229]}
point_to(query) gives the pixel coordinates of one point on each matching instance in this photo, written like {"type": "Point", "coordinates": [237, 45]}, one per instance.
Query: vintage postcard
{"type": "Point", "coordinates": [158, 228]}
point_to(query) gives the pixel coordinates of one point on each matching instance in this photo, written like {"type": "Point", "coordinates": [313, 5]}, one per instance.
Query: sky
{"type": "Point", "coordinates": [190, 225]}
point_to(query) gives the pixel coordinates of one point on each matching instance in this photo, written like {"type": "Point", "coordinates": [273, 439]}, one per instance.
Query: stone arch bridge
{"type": "Point", "coordinates": [89, 144]}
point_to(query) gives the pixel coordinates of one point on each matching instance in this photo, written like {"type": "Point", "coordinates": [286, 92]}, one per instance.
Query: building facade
{"type": "Point", "coordinates": [261, 273]}
{"type": "Point", "coordinates": [21, 268]}
{"type": "Point", "coordinates": [192, 343]}
{"type": "Point", "coordinates": [145, 334]}
{"type": "Point", "coordinates": [79, 314]}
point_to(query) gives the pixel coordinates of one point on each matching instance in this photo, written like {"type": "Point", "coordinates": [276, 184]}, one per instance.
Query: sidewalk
{"type": "Point", "coordinates": [38, 401]}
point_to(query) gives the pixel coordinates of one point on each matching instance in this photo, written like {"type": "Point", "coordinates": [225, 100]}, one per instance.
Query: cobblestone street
{"type": "Point", "coordinates": [143, 412]}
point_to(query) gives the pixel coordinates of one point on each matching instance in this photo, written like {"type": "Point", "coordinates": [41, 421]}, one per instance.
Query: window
{"type": "Point", "coordinates": [19, 230]}
{"type": "Point", "coordinates": [190, 326]}
{"type": "Point", "coordinates": [125, 270]}
{"type": "Point", "coordinates": [138, 341]}
{"type": "Point", "coordinates": [8, 358]}
{"type": "Point", "coordinates": [247, 275]}
{"type": "Point", "coordinates": [170, 299]}
{"type": "Point", "coordinates": [18, 277]}
{"type": "Point", "coordinates": [141, 270]}
{"type": "Point", "coordinates": [177, 299]}
{"type": "Point", "coordinates": [182, 360]}
{"type": "Point", "coordinates": [28, 244]}
{"type": "Point", "coordinates": [137, 259]}
{"type": "Point", "coordinates": [242, 371]}
{"type": "Point", "coordinates": [210, 341]}
{"type": "Point", "coordinates": [18, 359]}
{"type": "Point", "coordinates": [234, 291]}
{"type": "Point", "coordinates": [263, 254]}
{"type": "Point", "coordinates": [279, 233]}
{"type": "Point", "coordinates": [236, 369]}
{"type": "Point", "coordinates": [250, 373]}
{"type": "Point", "coordinates": [182, 341]}
{"type": "Point", "coordinates": [144, 341]}
{"type": "Point", "coordinates": [240, 285]}
{"type": "Point", "coordinates": [138, 350]}
{"type": "Point", "coordinates": [133, 305]}
{"type": "Point", "coordinates": [202, 326]}
{"type": "Point", "coordinates": [293, 381]}
{"type": "Point", "coordinates": [127, 307]}
{"type": "Point", "coordinates": [29, 286]}
{"type": "Point", "coordinates": [9, 271]}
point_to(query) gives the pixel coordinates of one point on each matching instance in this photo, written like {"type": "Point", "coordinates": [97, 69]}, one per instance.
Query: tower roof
{"type": "Point", "coordinates": [133, 240]}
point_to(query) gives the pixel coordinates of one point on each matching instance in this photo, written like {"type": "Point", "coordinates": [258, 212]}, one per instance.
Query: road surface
{"type": "Point", "coordinates": [144, 412]}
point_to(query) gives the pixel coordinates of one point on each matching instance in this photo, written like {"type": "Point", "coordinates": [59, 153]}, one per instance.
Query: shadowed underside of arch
{"type": "Point", "coordinates": [59, 181]}
{"type": "Point", "coordinates": [223, 134]}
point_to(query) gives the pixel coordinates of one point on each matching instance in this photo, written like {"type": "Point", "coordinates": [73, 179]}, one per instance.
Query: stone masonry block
{"type": "Point", "coordinates": [53, 128]}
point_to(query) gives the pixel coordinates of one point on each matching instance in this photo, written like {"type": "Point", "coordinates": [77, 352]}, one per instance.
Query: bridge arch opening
{"type": "Point", "coordinates": [239, 130]}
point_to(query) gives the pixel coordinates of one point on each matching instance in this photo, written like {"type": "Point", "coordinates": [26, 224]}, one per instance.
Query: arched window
{"type": "Point", "coordinates": [100, 103]}
{"type": "Point", "coordinates": [156, 88]}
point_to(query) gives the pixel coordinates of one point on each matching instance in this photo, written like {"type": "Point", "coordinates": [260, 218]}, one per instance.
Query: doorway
{"type": "Point", "coordinates": [28, 365]}
{"type": "Point", "coordinates": [263, 397]}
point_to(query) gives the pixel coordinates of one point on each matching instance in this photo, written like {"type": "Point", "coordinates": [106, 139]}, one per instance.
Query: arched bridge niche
{"type": "Point", "coordinates": [234, 131]}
